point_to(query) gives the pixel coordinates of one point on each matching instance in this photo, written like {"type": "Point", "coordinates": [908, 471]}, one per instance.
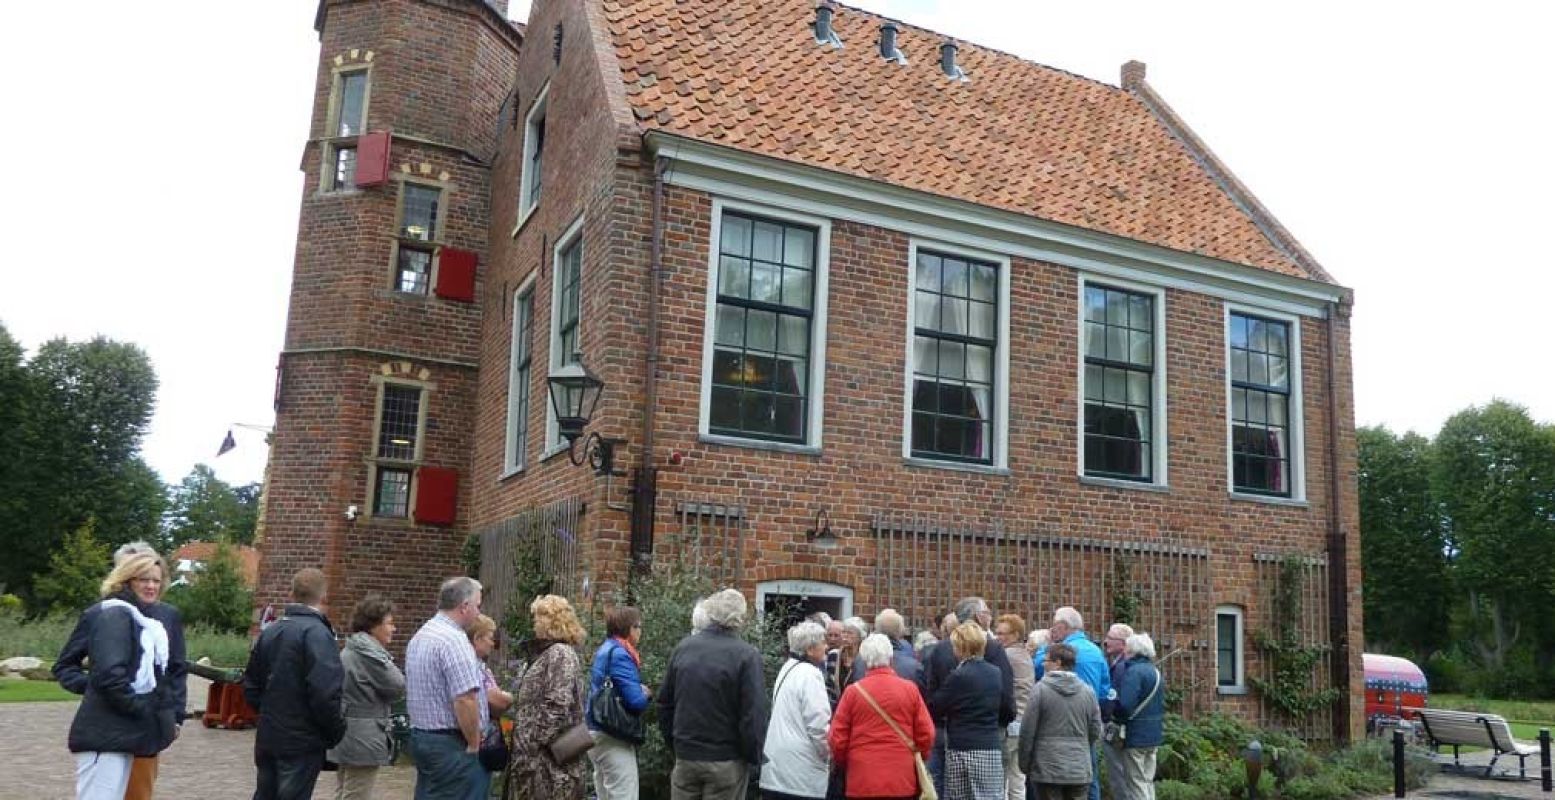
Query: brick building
{"type": "Point", "coordinates": [883, 319]}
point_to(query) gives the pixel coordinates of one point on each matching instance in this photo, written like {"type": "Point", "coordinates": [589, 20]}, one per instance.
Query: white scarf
{"type": "Point", "coordinates": [153, 647]}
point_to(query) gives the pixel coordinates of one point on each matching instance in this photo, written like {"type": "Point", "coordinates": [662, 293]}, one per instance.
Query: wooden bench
{"type": "Point", "coordinates": [1475, 729]}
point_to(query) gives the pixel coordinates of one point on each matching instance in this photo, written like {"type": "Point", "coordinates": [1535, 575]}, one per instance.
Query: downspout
{"type": "Point", "coordinates": [1338, 545]}
{"type": "Point", "coordinates": [645, 482]}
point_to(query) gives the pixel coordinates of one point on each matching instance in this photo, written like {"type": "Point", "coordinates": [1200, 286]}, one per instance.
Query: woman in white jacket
{"type": "Point", "coordinates": [797, 757]}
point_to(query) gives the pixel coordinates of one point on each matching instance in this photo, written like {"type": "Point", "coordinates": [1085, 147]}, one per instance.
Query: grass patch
{"type": "Point", "coordinates": [18, 691]}
{"type": "Point", "coordinates": [1532, 714]}
{"type": "Point", "coordinates": [44, 637]}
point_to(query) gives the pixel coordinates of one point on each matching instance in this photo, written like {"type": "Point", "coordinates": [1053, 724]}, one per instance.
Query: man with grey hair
{"type": "Point", "coordinates": [713, 705]}
{"type": "Point", "coordinates": [942, 661]}
{"type": "Point", "coordinates": [904, 662]}
{"type": "Point", "coordinates": [1141, 710]}
{"type": "Point", "coordinates": [446, 699]}
{"type": "Point", "coordinates": [70, 668]}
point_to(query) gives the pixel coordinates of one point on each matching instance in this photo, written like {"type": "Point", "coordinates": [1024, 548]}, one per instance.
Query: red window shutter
{"type": "Point", "coordinates": [456, 274]}
{"type": "Point", "coordinates": [437, 495]}
{"type": "Point", "coordinates": [372, 159]}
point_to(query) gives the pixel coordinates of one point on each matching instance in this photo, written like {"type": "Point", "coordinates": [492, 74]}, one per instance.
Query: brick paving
{"type": "Point", "coordinates": [204, 762]}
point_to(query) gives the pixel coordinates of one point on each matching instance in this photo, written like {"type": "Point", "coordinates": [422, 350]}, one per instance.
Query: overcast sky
{"type": "Point", "coordinates": [154, 172]}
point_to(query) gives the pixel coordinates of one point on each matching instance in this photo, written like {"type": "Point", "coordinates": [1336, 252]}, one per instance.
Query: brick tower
{"type": "Point", "coordinates": [375, 397]}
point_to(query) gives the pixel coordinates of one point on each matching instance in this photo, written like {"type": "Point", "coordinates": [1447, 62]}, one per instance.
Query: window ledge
{"type": "Point", "coordinates": [1231, 690]}
{"type": "Point", "coordinates": [758, 444]}
{"type": "Point", "coordinates": [955, 466]}
{"type": "Point", "coordinates": [1116, 483]}
{"type": "Point", "coordinates": [393, 522]}
{"type": "Point", "coordinates": [523, 219]}
{"type": "Point", "coordinates": [510, 472]}
{"type": "Point", "coordinates": [555, 450]}
{"type": "Point", "coordinates": [1269, 501]}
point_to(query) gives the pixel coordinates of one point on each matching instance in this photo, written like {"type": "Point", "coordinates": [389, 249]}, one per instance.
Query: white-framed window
{"type": "Point", "coordinates": [397, 447]}
{"type": "Point", "coordinates": [956, 397]}
{"type": "Point", "coordinates": [1264, 427]}
{"type": "Point", "coordinates": [1122, 381]}
{"type": "Point", "coordinates": [520, 377]}
{"type": "Point", "coordinates": [1230, 663]}
{"type": "Point", "coordinates": [346, 120]}
{"type": "Point", "coordinates": [566, 316]}
{"type": "Point", "coordinates": [764, 343]}
{"type": "Point", "coordinates": [531, 172]}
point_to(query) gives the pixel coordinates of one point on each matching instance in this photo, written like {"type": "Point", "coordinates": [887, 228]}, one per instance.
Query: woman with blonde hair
{"type": "Point", "coordinates": [973, 704]}
{"type": "Point", "coordinates": [483, 637]}
{"type": "Point", "coordinates": [126, 710]}
{"type": "Point", "coordinates": [549, 704]}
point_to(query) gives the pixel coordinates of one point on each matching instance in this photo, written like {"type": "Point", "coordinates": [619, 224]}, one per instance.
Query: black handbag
{"type": "Point", "coordinates": [494, 750]}
{"type": "Point", "coordinates": [609, 714]}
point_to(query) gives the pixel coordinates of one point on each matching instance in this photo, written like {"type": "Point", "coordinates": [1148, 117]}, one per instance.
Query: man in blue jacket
{"type": "Point", "coordinates": [1090, 665]}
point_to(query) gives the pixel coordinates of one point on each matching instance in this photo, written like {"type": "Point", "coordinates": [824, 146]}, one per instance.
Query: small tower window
{"type": "Point", "coordinates": [347, 120]}
{"type": "Point", "coordinates": [417, 237]}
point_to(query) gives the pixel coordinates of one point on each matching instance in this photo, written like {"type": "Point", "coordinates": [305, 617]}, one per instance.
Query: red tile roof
{"type": "Point", "coordinates": [1018, 136]}
{"type": "Point", "coordinates": [248, 558]}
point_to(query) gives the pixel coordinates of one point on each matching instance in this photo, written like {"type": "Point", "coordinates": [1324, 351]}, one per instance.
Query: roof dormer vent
{"type": "Point", "coordinates": [947, 62]}
{"type": "Point", "coordinates": [888, 48]}
{"type": "Point", "coordinates": [825, 34]}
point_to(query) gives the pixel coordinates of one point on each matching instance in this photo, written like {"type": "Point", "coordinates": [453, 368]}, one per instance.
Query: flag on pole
{"type": "Point", "coordinates": [226, 444]}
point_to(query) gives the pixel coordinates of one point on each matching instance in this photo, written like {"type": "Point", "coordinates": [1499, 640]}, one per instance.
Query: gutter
{"type": "Point", "coordinates": [645, 482]}
{"type": "Point", "coordinates": [1338, 545]}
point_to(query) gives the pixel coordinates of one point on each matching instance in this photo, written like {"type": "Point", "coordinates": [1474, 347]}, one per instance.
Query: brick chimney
{"type": "Point", "coordinates": [1133, 75]}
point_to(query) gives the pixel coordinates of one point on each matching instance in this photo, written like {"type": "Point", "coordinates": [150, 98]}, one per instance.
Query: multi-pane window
{"type": "Point", "coordinates": [1260, 405]}
{"type": "Point", "coordinates": [1119, 337]}
{"type": "Point", "coordinates": [762, 329]}
{"type": "Point", "coordinates": [417, 235]}
{"type": "Point", "coordinates": [349, 120]}
{"type": "Point", "coordinates": [1228, 648]}
{"type": "Point", "coordinates": [518, 380]}
{"type": "Point", "coordinates": [532, 165]}
{"type": "Point", "coordinates": [569, 278]}
{"type": "Point", "coordinates": [399, 429]}
{"type": "Point", "coordinates": [955, 342]}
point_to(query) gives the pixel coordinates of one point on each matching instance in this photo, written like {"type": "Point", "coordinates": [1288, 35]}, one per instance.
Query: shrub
{"type": "Point", "coordinates": [76, 571]}
{"type": "Point", "coordinates": [218, 596]}
{"type": "Point", "coordinates": [10, 604]}
{"type": "Point", "coordinates": [1177, 790]}
{"type": "Point", "coordinates": [42, 637]}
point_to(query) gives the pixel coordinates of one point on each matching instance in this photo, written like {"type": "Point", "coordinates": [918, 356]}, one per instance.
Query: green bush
{"type": "Point", "coordinates": [218, 596]}
{"type": "Point", "coordinates": [224, 649]}
{"type": "Point", "coordinates": [10, 604]}
{"type": "Point", "coordinates": [1177, 790]}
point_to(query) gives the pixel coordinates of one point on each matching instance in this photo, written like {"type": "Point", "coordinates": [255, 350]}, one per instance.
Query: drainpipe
{"type": "Point", "coordinates": [1338, 545]}
{"type": "Point", "coordinates": [645, 480]}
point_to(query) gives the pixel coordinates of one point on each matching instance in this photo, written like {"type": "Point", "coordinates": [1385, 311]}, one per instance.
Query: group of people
{"type": "Point", "coordinates": [977, 707]}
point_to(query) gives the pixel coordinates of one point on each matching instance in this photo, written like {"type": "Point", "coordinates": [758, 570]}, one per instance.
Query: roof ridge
{"type": "Point", "coordinates": [982, 47]}
{"type": "Point", "coordinates": [1262, 217]}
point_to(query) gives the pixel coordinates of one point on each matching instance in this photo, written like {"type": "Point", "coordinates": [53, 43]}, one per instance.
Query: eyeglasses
{"type": "Point", "coordinates": [150, 581]}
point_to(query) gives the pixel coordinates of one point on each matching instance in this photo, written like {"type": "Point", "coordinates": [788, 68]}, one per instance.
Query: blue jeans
{"type": "Point", "coordinates": [1095, 775]}
{"type": "Point", "coordinates": [444, 771]}
{"type": "Point", "coordinates": [288, 777]}
{"type": "Point", "coordinates": [937, 762]}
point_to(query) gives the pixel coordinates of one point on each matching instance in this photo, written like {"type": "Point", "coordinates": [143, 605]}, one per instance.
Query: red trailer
{"type": "Point", "coordinates": [1394, 688]}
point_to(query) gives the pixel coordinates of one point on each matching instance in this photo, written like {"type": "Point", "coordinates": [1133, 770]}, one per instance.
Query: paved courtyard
{"type": "Point", "coordinates": [204, 762]}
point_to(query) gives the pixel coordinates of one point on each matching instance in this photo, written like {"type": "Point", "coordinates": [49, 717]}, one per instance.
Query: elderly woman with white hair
{"type": "Point", "coordinates": [1141, 711]}
{"type": "Point", "coordinates": [797, 757]}
{"type": "Point", "coordinates": [881, 723]}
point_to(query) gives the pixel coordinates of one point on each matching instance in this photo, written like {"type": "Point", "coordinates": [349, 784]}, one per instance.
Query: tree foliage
{"type": "Point", "coordinates": [71, 423]}
{"type": "Point", "coordinates": [1458, 546]}
{"type": "Point", "coordinates": [204, 508]}
{"type": "Point", "coordinates": [217, 595]}
{"type": "Point", "coordinates": [75, 573]}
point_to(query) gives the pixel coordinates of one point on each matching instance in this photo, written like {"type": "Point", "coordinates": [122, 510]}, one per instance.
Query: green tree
{"type": "Point", "coordinates": [217, 595]}
{"type": "Point", "coordinates": [1494, 474]}
{"type": "Point", "coordinates": [76, 571]}
{"type": "Point", "coordinates": [73, 455]}
{"type": "Point", "coordinates": [1404, 555]}
{"type": "Point", "coordinates": [15, 403]}
{"type": "Point", "coordinates": [204, 508]}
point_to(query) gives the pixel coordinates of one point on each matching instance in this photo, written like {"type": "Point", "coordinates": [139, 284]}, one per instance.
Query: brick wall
{"type": "Point", "coordinates": [439, 73]}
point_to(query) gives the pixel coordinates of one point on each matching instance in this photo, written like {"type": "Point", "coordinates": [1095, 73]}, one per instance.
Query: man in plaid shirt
{"type": "Point", "coordinates": [446, 699]}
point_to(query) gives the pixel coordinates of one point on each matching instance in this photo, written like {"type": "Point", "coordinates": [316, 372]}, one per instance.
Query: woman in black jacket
{"type": "Point", "coordinates": [974, 707]}
{"type": "Point", "coordinates": [126, 711]}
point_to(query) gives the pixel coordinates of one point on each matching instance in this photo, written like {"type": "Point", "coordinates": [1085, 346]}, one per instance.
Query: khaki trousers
{"type": "Point", "coordinates": [1014, 779]}
{"type": "Point", "coordinates": [355, 783]}
{"type": "Point", "coordinates": [709, 780]}
{"type": "Point", "coordinates": [615, 767]}
{"type": "Point", "coordinates": [143, 776]}
{"type": "Point", "coordinates": [1139, 772]}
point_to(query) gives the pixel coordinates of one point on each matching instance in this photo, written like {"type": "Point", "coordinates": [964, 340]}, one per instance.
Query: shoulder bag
{"type": "Point", "coordinates": [925, 781]}
{"type": "Point", "coordinates": [1116, 732]}
{"type": "Point", "coordinates": [609, 713]}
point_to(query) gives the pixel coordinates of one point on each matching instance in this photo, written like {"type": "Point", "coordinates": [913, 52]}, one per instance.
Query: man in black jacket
{"type": "Point", "coordinates": [294, 681]}
{"type": "Point", "coordinates": [941, 660]}
{"type": "Point", "coordinates": [70, 669]}
{"type": "Point", "coordinates": [713, 706]}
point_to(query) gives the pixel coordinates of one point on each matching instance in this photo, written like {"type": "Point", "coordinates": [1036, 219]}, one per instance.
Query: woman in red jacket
{"type": "Point", "coordinates": [875, 758]}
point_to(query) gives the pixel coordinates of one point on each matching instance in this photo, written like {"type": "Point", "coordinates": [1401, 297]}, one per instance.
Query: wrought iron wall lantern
{"type": "Point", "coordinates": [820, 535]}
{"type": "Point", "coordinates": [575, 392]}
